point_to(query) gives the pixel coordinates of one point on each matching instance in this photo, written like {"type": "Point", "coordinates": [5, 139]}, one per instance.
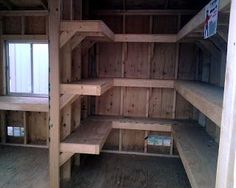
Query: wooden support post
{"type": "Point", "coordinates": [25, 127]}
{"type": "Point", "coordinates": [54, 89]}
{"type": "Point", "coordinates": [226, 158]}
{"type": "Point", "coordinates": [120, 139]}
{"type": "Point", "coordinates": [3, 126]}
{"type": "Point", "coordinates": [47, 128]}
{"type": "Point", "coordinates": [146, 142]}
{"type": "Point", "coordinates": [176, 71]}
{"type": "Point", "coordinates": [66, 62]}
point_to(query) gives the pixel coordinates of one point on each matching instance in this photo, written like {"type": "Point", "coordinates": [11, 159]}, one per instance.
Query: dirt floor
{"type": "Point", "coordinates": [128, 171]}
{"type": "Point", "coordinates": [23, 167]}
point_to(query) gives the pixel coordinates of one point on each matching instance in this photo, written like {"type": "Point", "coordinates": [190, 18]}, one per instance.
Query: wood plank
{"type": "Point", "coordinates": [146, 83]}
{"type": "Point", "coordinates": [226, 167]}
{"type": "Point", "coordinates": [94, 87]}
{"type": "Point", "coordinates": [24, 104]}
{"type": "Point", "coordinates": [67, 99]}
{"type": "Point", "coordinates": [167, 38]}
{"type": "Point", "coordinates": [24, 13]}
{"type": "Point", "coordinates": [90, 27]}
{"type": "Point", "coordinates": [25, 37]}
{"type": "Point", "coordinates": [54, 80]}
{"type": "Point", "coordinates": [199, 20]}
{"type": "Point", "coordinates": [65, 37]}
{"type": "Point", "coordinates": [198, 153]}
{"type": "Point", "coordinates": [64, 157]}
{"type": "Point", "coordinates": [160, 125]}
{"type": "Point", "coordinates": [206, 98]}
{"type": "Point", "coordinates": [88, 138]}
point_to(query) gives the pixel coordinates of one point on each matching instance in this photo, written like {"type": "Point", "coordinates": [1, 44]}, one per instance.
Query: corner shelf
{"type": "Point", "coordinates": [205, 97]}
{"type": "Point", "coordinates": [198, 153]}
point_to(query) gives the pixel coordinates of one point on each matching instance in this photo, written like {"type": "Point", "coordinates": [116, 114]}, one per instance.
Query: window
{"type": "Point", "coordinates": [27, 68]}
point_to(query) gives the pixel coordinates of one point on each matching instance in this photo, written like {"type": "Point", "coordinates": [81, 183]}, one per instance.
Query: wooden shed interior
{"type": "Point", "coordinates": [132, 77]}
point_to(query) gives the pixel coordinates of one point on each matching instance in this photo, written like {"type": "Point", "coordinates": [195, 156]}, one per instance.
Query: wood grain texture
{"type": "Point", "coordinates": [88, 138]}
{"type": "Point", "coordinates": [198, 153]}
{"type": "Point", "coordinates": [206, 98]}
{"type": "Point", "coordinates": [24, 103]}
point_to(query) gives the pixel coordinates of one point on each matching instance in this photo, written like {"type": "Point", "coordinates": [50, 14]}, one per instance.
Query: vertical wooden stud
{"type": "Point", "coordinates": [176, 71]}
{"type": "Point", "coordinates": [25, 127]}
{"type": "Point", "coordinates": [54, 93]}
{"type": "Point", "coordinates": [226, 158]}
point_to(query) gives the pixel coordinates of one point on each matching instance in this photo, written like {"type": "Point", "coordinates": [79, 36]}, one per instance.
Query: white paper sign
{"type": "Point", "coordinates": [211, 17]}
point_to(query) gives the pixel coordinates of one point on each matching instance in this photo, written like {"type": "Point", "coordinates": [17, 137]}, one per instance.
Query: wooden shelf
{"type": "Point", "coordinates": [145, 83]}
{"type": "Point", "coordinates": [198, 153]}
{"type": "Point", "coordinates": [94, 28]}
{"type": "Point", "coordinates": [88, 138]}
{"type": "Point", "coordinates": [199, 19]}
{"type": "Point", "coordinates": [144, 124]}
{"type": "Point", "coordinates": [32, 104]}
{"type": "Point", "coordinates": [93, 87]}
{"type": "Point", "coordinates": [206, 98]}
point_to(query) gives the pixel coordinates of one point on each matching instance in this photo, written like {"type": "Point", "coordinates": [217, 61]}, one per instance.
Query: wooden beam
{"type": "Point", "coordinates": [25, 37]}
{"type": "Point", "coordinates": [94, 27]}
{"type": "Point", "coordinates": [76, 40]}
{"type": "Point", "coordinates": [54, 111]}
{"type": "Point", "coordinates": [3, 126]}
{"type": "Point", "coordinates": [64, 157]}
{"type": "Point", "coordinates": [167, 38]}
{"type": "Point", "coordinates": [146, 83]}
{"type": "Point", "coordinates": [199, 20]}
{"type": "Point", "coordinates": [65, 37]}
{"type": "Point", "coordinates": [145, 12]}
{"type": "Point", "coordinates": [226, 159]}
{"type": "Point", "coordinates": [67, 99]}
{"type": "Point", "coordinates": [143, 124]}
{"type": "Point", "coordinates": [24, 13]}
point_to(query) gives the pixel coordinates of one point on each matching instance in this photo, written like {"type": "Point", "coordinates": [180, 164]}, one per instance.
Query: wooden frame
{"type": "Point", "coordinates": [94, 28]}
{"type": "Point", "coordinates": [227, 154]}
{"type": "Point", "coordinates": [54, 110]}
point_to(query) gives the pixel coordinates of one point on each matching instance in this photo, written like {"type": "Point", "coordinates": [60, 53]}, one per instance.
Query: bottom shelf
{"type": "Point", "coordinates": [198, 153]}
{"type": "Point", "coordinates": [89, 138]}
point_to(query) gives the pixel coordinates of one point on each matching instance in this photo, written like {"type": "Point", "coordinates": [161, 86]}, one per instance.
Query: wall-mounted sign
{"type": "Point", "coordinates": [211, 18]}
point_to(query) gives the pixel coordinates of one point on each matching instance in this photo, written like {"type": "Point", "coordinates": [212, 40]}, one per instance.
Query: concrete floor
{"type": "Point", "coordinates": [28, 168]}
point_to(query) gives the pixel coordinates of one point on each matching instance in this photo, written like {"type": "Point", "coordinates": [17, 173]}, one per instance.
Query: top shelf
{"type": "Point", "coordinates": [206, 98]}
{"type": "Point", "coordinates": [94, 28]}
{"type": "Point", "coordinates": [199, 19]}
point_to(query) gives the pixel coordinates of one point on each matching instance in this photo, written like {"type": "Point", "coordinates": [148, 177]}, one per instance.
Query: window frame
{"type": "Point", "coordinates": [22, 94]}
